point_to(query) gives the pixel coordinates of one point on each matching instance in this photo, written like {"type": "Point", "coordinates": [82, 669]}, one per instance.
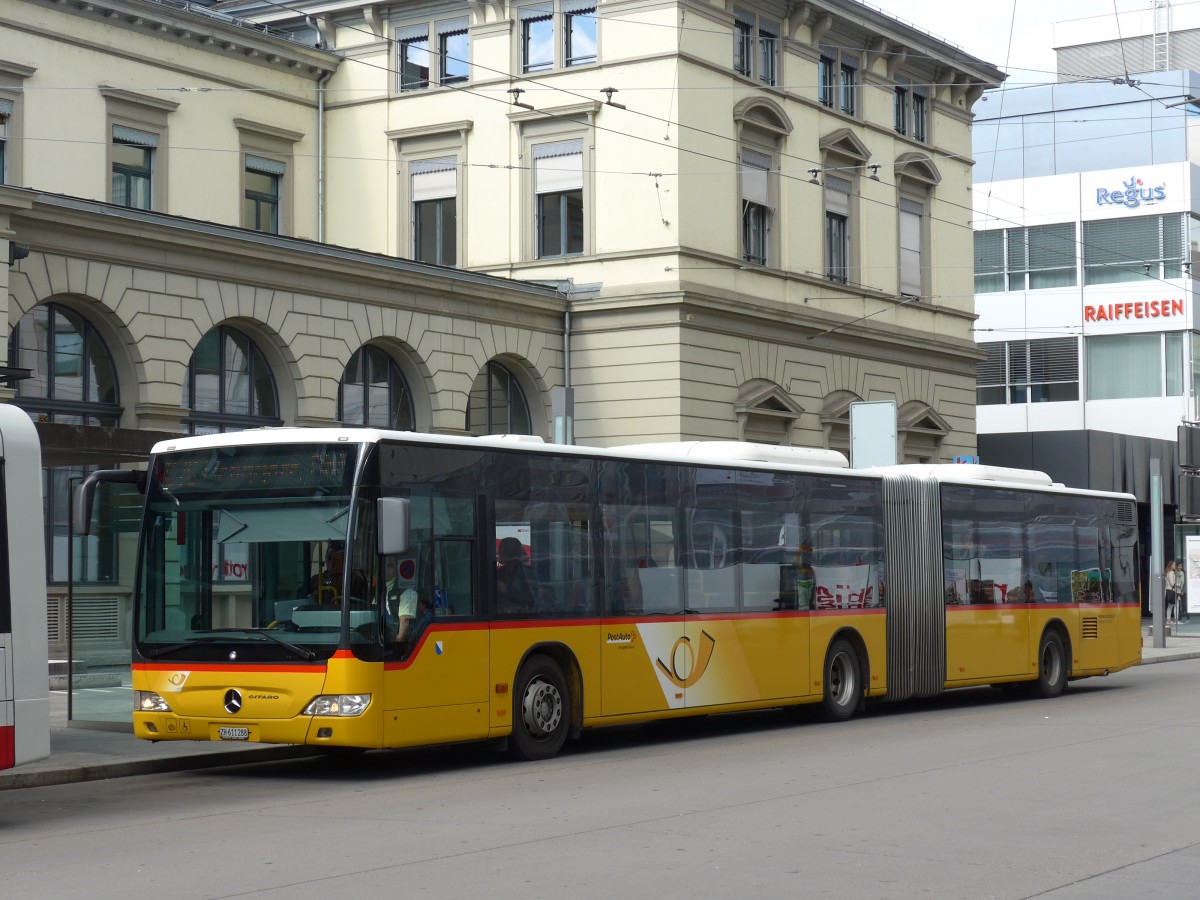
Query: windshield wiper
{"type": "Point", "coordinates": [173, 648]}
{"type": "Point", "coordinates": [212, 638]}
{"type": "Point", "coordinates": [302, 652]}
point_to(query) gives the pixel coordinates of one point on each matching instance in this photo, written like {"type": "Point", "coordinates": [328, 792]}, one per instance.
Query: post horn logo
{"type": "Point", "coordinates": [694, 662]}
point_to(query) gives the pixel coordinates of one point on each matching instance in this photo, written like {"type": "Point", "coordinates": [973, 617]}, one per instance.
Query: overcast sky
{"type": "Point", "coordinates": [982, 27]}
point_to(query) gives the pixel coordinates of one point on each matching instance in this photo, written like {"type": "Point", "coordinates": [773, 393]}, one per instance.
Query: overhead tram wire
{"type": "Point", "coordinates": [723, 161]}
{"type": "Point", "coordinates": [804, 161]}
{"type": "Point", "coordinates": [594, 126]}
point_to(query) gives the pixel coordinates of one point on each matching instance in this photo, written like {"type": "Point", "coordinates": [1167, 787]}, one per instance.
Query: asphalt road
{"type": "Point", "coordinates": [971, 795]}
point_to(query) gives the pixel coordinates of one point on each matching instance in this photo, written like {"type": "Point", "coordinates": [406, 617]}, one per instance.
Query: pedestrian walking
{"type": "Point", "coordinates": [1181, 585]}
{"type": "Point", "coordinates": [1170, 580]}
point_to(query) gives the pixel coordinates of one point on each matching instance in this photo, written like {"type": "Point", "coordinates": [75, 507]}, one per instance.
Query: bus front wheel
{"type": "Point", "coordinates": [1052, 666]}
{"type": "Point", "coordinates": [543, 714]}
{"type": "Point", "coordinates": [843, 681]}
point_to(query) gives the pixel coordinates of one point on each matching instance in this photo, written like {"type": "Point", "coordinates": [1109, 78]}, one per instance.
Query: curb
{"type": "Point", "coordinates": [1174, 657]}
{"type": "Point", "coordinates": [102, 771]}
{"type": "Point", "coordinates": [12, 780]}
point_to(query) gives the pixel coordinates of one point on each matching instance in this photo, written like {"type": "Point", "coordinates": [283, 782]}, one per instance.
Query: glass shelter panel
{"type": "Point", "coordinates": [99, 610]}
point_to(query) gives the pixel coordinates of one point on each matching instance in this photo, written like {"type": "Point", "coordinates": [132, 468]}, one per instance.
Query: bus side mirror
{"type": "Point", "coordinates": [85, 494]}
{"type": "Point", "coordinates": [394, 514]}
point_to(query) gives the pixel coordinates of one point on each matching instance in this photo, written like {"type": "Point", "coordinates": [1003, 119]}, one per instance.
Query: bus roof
{"type": "Point", "coordinates": [737, 453]}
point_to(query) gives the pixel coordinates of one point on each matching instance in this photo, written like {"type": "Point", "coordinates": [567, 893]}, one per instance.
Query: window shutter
{"type": "Point", "coordinates": [1121, 241]}
{"type": "Point", "coordinates": [1052, 247]}
{"type": "Point", "coordinates": [990, 371]}
{"type": "Point", "coordinates": [265, 166]}
{"type": "Point", "coordinates": [1018, 362]}
{"type": "Point", "coordinates": [1053, 359]}
{"type": "Point", "coordinates": [1017, 256]}
{"type": "Point", "coordinates": [910, 247]}
{"type": "Point", "coordinates": [536, 11]}
{"type": "Point", "coordinates": [412, 33]}
{"type": "Point", "coordinates": [989, 252]}
{"type": "Point", "coordinates": [1172, 233]}
{"type": "Point", "coordinates": [454, 26]}
{"type": "Point", "coordinates": [755, 168]}
{"type": "Point", "coordinates": [558, 167]}
{"type": "Point", "coordinates": [434, 179]}
{"type": "Point", "coordinates": [837, 195]}
{"type": "Point", "coordinates": [134, 136]}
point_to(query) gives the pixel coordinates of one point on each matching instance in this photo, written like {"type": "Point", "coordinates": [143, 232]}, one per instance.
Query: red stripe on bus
{"type": "Point", "coordinates": [226, 667]}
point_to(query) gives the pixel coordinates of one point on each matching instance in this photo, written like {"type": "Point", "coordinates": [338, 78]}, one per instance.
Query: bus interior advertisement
{"type": "Point", "coordinates": [244, 555]}
{"type": "Point", "coordinates": [409, 590]}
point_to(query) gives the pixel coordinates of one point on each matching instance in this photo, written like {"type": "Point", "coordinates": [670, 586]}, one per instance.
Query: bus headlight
{"type": "Point", "coordinates": [148, 701]}
{"type": "Point", "coordinates": [338, 705]}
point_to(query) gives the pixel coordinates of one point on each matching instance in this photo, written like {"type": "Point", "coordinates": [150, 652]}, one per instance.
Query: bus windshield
{"type": "Point", "coordinates": [244, 554]}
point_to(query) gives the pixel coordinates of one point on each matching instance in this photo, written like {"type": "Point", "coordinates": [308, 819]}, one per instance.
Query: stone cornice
{"type": "Point", "coordinates": [207, 29]}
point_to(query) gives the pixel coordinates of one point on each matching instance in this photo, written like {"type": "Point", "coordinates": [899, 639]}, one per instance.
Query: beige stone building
{"type": "Point", "coordinates": [708, 219]}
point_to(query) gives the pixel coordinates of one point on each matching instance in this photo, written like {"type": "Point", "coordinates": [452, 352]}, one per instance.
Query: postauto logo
{"type": "Point", "coordinates": [1131, 194]}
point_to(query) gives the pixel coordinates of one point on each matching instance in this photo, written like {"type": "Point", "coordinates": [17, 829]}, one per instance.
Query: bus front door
{"type": "Point", "coordinates": [436, 671]}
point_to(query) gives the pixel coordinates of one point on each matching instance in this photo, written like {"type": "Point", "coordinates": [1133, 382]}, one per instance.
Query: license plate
{"type": "Point", "coordinates": [233, 734]}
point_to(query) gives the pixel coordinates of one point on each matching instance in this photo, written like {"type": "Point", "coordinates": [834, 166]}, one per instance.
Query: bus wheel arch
{"type": "Point", "coordinates": [1053, 661]}
{"type": "Point", "coordinates": [546, 706]}
{"type": "Point", "coordinates": [844, 676]}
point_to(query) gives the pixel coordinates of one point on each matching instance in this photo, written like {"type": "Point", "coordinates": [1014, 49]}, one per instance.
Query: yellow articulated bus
{"type": "Point", "coordinates": [354, 588]}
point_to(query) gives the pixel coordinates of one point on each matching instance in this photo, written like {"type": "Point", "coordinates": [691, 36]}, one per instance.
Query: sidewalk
{"type": "Point", "coordinates": [84, 754]}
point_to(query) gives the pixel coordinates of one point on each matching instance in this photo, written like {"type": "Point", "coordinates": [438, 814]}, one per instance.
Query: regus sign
{"type": "Point", "coordinates": [1133, 193]}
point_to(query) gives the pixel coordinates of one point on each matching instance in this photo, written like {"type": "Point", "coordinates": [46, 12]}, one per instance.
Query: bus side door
{"type": "Point", "coordinates": [436, 681]}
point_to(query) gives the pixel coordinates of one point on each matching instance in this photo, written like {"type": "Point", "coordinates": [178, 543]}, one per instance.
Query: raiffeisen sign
{"type": "Point", "coordinates": [1132, 194]}
{"type": "Point", "coordinates": [1134, 309]}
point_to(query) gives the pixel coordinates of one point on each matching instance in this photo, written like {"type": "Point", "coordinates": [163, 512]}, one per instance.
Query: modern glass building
{"type": "Point", "coordinates": [1087, 232]}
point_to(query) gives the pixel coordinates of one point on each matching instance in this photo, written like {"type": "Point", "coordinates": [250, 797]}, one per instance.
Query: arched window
{"type": "Point", "coordinates": [72, 379]}
{"type": "Point", "coordinates": [229, 385]}
{"type": "Point", "coordinates": [72, 382]}
{"type": "Point", "coordinates": [373, 392]}
{"type": "Point", "coordinates": [497, 404]}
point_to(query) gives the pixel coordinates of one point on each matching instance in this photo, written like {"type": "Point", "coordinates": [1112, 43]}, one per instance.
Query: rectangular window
{"type": "Point", "coordinates": [743, 42]}
{"type": "Point", "coordinates": [825, 81]}
{"type": "Point", "coordinates": [6, 111]}
{"type": "Point", "coordinates": [132, 167]}
{"type": "Point", "coordinates": [454, 51]}
{"type": "Point", "coordinates": [837, 229]}
{"type": "Point", "coordinates": [413, 49]}
{"type": "Point", "coordinates": [768, 52]}
{"type": "Point", "coordinates": [920, 117]}
{"type": "Point", "coordinates": [755, 47]}
{"type": "Point", "coordinates": [579, 32]}
{"type": "Point", "coordinates": [1120, 250]}
{"type": "Point", "coordinates": [1038, 371]}
{"type": "Point", "coordinates": [756, 206]}
{"type": "Point", "coordinates": [1127, 366]}
{"type": "Point", "coordinates": [989, 261]}
{"type": "Point", "coordinates": [558, 195]}
{"type": "Point", "coordinates": [537, 38]}
{"type": "Point", "coordinates": [848, 86]}
{"type": "Point", "coordinates": [900, 110]}
{"type": "Point", "coordinates": [911, 262]}
{"type": "Point", "coordinates": [435, 210]}
{"type": "Point", "coordinates": [1018, 259]}
{"type": "Point", "coordinates": [260, 208]}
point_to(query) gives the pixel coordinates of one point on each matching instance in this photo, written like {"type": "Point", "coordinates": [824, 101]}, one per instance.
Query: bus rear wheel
{"type": "Point", "coordinates": [543, 714]}
{"type": "Point", "coordinates": [1052, 666]}
{"type": "Point", "coordinates": [843, 681]}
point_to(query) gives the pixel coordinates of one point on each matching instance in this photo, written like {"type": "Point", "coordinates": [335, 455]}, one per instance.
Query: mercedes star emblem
{"type": "Point", "coordinates": [233, 701]}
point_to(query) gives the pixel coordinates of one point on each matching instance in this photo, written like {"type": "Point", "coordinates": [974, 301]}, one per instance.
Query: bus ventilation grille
{"type": "Point", "coordinates": [1126, 513]}
{"type": "Point", "coordinates": [1089, 628]}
